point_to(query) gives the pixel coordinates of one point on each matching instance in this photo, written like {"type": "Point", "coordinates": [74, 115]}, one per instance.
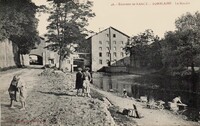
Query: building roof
{"type": "Point", "coordinates": [108, 28]}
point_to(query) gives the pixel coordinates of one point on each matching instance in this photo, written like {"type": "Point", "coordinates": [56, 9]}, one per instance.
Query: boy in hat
{"type": "Point", "coordinates": [12, 90]}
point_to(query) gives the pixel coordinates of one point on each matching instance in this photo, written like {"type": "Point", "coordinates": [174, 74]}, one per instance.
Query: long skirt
{"type": "Point", "coordinates": [86, 85]}
{"type": "Point", "coordinates": [13, 95]}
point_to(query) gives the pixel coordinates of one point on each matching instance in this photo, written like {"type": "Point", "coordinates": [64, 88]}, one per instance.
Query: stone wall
{"type": "Point", "coordinates": [116, 69]}
{"type": "Point", "coordinates": [8, 54]}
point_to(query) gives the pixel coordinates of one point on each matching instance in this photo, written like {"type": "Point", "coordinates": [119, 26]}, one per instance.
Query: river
{"type": "Point", "coordinates": [153, 87]}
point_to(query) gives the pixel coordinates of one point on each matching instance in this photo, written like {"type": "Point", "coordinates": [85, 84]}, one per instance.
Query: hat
{"type": "Point", "coordinates": [87, 68]}
{"type": "Point", "coordinates": [79, 69]}
{"type": "Point", "coordinates": [16, 77]}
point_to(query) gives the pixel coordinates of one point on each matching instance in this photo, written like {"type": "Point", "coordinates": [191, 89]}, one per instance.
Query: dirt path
{"type": "Point", "coordinates": [151, 117]}
{"type": "Point", "coordinates": [51, 101]}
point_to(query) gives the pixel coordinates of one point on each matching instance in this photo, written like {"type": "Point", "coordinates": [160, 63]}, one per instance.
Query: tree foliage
{"type": "Point", "coordinates": [18, 23]}
{"type": "Point", "coordinates": [67, 25]}
{"type": "Point", "coordinates": [179, 50]}
{"type": "Point", "coordinates": [143, 48]}
{"type": "Point", "coordinates": [182, 46]}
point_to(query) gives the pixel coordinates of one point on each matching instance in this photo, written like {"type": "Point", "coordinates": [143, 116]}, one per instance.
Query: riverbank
{"type": "Point", "coordinates": [120, 119]}
{"type": "Point", "coordinates": [151, 117]}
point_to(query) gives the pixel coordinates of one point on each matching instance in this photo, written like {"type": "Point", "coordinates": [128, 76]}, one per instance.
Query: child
{"type": "Point", "coordinates": [125, 93]}
{"type": "Point", "coordinates": [86, 81]}
{"type": "Point", "coordinates": [22, 92]}
{"type": "Point", "coordinates": [13, 90]}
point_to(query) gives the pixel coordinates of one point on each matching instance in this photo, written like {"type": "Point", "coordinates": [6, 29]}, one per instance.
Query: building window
{"type": "Point", "coordinates": [100, 42]}
{"type": "Point", "coordinates": [122, 54]}
{"type": "Point", "coordinates": [100, 61]}
{"type": "Point", "coordinates": [115, 48]}
{"type": "Point", "coordinates": [107, 48]}
{"type": "Point", "coordinates": [115, 54]}
{"type": "Point", "coordinates": [100, 48]}
{"type": "Point", "coordinates": [122, 42]}
{"type": "Point", "coordinates": [51, 61]}
{"type": "Point", "coordinates": [100, 54]}
{"type": "Point", "coordinates": [114, 42]}
{"type": "Point", "coordinates": [122, 48]}
{"type": "Point", "coordinates": [108, 62]}
{"type": "Point", "coordinates": [114, 35]}
{"type": "Point", "coordinates": [107, 54]}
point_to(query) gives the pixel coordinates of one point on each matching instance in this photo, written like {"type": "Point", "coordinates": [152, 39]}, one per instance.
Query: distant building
{"type": "Point", "coordinates": [81, 60]}
{"type": "Point", "coordinates": [42, 56]}
{"type": "Point", "coordinates": [107, 48]}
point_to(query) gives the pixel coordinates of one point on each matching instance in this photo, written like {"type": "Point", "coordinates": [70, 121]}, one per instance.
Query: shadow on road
{"type": "Point", "coordinates": [57, 93]}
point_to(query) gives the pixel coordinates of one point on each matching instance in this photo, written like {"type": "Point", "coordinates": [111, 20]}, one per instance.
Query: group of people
{"type": "Point", "coordinates": [17, 91]}
{"type": "Point", "coordinates": [83, 79]}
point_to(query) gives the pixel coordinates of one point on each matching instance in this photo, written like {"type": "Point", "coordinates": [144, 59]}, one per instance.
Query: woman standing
{"type": "Point", "coordinates": [79, 81]}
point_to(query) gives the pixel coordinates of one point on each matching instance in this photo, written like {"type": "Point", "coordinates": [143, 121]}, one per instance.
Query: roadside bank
{"type": "Point", "coordinates": [51, 101]}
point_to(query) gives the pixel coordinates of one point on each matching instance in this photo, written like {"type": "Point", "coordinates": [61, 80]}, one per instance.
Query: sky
{"type": "Point", "coordinates": [133, 16]}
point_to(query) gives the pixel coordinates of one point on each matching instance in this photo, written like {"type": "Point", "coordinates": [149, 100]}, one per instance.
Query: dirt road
{"type": "Point", "coordinates": [51, 101]}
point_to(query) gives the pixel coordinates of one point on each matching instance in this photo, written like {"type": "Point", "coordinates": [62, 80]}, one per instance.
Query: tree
{"type": "Point", "coordinates": [188, 26]}
{"type": "Point", "coordinates": [169, 44]}
{"type": "Point", "coordinates": [182, 46]}
{"type": "Point", "coordinates": [18, 23]}
{"type": "Point", "coordinates": [67, 25]}
{"type": "Point", "coordinates": [155, 54]}
{"type": "Point", "coordinates": [140, 46]}
{"type": "Point", "coordinates": [188, 29]}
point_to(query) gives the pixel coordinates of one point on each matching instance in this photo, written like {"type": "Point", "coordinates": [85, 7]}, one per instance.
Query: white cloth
{"type": "Point", "coordinates": [86, 85]}
{"type": "Point", "coordinates": [177, 100]}
{"type": "Point", "coordinates": [22, 90]}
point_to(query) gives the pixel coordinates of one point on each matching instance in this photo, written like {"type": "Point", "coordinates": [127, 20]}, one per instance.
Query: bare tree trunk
{"type": "Point", "coordinates": [192, 67]}
{"type": "Point", "coordinates": [134, 61]}
{"type": "Point", "coordinates": [22, 61]}
{"type": "Point", "coordinates": [60, 62]}
{"type": "Point", "coordinates": [19, 59]}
